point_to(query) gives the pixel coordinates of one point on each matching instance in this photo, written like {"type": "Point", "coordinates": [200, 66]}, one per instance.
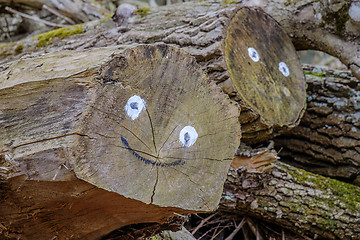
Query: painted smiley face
{"type": "Point", "coordinates": [187, 136]}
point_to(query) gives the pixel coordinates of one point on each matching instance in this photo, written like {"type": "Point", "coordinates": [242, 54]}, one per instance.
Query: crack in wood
{"type": "Point", "coordinates": [156, 182]}
{"type": "Point", "coordinates": [167, 139]}
{"type": "Point", "coordinates": [152, 129]}
{"type": "Point", "coordinates": [52, 138]}
{"type": "Point", "coordinates": [115, 120]}
{"type": "Point", "coordinates": [196, 184]}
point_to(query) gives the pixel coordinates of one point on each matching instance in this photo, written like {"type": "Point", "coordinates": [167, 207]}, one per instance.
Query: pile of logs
{"type": "Point", "coordinates": [145, 130]}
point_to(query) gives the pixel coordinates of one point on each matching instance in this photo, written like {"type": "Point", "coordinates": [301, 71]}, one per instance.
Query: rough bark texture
{"type": "Point", "coordinates": [68, 116]}
{"type": "Point", "coordinates": [327, 141]}
{"type": "Point", "coordinates": [306, 203]}
{"type": "Point", "coordinates": [275, 103]}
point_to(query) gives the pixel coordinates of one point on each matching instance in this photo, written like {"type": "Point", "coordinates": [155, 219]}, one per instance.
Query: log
{"type": "Point", "coordinates": [308, 204]}
{"type": "Point", "coordinates": [269, 87]}
{"type": "Point", "coordinates": [93, 140]}
{"type": "Point", "coordinates": [327, 140]}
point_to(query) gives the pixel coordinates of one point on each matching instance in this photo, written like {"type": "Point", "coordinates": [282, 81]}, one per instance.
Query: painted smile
{"type": "Point", "coordinates": [148, 161]}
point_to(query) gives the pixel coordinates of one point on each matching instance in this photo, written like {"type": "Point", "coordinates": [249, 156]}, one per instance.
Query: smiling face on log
{"type": "Point", "coordinates": [266, 72]}
{"type": "Point", "coordinates": [159, 131]}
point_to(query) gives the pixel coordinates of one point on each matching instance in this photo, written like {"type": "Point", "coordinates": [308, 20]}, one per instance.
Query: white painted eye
{"type": "Point", "coordinates": [134, 107]}
{"type": "Point", "coordinates": [283, 68]}
{"type": "Point", "coordinates": [188, 136]}
{"type": "Point", "coordinates": [253, 54]}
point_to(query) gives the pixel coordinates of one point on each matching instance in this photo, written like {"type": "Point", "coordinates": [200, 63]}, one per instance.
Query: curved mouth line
{"type": "Point", "coordinates": [148, 161]}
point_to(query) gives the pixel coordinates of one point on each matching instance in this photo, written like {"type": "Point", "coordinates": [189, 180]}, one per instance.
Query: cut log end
{"type": "Point", "coordinates": [266, 72]}
{"type": "Point", "coordinates": [159, 131]}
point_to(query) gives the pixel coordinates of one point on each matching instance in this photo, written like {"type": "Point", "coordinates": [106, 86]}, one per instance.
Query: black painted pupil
{"type": "Point", "coordinates": [134, 105]}
{"type": "Point", "coordinates": [187, 137]}
{"type": "Point", "coordinates": [254, 55]}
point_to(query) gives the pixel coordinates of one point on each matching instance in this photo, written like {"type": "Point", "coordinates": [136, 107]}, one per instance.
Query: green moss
{"type": "Point", "coordinates": [295, 2]}
{"type": "Point", "coordinates": [45, 38]}
{"type": "Point", "coordinates": [156, 237]}
{"type": "Point", "coordinates": [314, 74]}
{"type": "Point", "coordinates": [142, 11]}
{"type": "Point", "coordinates": [318, 74]}
{"type": "Point", "coordinates": [338, 18]}
{"type": "Point", "coordinates": [95, 2]}
{"type": "Point", "coordinates": [19, 49]}
{"type": "Point", "coordinates": [4, 49]}
{"type": "Point", "coordinates": [348, 194]}
{"type": "Point", "coordinates": [107, 17]}
{"type": "Point", "coordinates": [227, 2]}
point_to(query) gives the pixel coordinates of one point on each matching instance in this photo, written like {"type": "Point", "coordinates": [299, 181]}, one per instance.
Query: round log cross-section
{"type": "Point", "coordinates": [265, 71]}
{"type": "Point", "coordinates": [159, 131]}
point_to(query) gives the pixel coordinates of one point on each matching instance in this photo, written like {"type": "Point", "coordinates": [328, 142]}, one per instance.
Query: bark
{"type": "Point", "coordinates": [327, 141]}
{"type": "Point", "coordinates": [306, 203]}
{"type": "Point", "coordinates": [122, 131]}
{"type": "Point", "coordinates": [270, 101]}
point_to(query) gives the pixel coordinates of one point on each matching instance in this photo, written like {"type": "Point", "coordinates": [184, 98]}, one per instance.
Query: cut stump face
{"type": "Point", "coordinates": [159, 131]}
{"type": "Point", "coordinates": [264, 68]}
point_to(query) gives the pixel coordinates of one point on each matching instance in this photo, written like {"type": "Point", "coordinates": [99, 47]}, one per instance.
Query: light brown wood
{"type": "Point", "coordinates": [144, 158]}
{"type": "Point", "coordinates": [75, 164]}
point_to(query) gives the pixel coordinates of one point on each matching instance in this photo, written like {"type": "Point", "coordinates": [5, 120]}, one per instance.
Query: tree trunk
{"type": "Point", "coordinates": [327, 141]}
{"type": "Point", "coordinates": [306, 203]}
{"type": "Point", "coordinates": [122, 131]}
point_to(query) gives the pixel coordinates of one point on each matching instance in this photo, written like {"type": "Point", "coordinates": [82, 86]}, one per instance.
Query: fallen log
{"type": "Point", "coordinates": [98, 139]}
{"type": "Point", "coordinates": [309, 204]}
{"type": "Point", "coordinates": [327, 141]}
